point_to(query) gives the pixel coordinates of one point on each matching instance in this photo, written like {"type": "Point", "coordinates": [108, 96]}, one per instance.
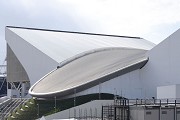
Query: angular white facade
{"type": "Point", "coordinates": [39, 52]}
{"type": "Point", "coordinates": [169, 91]}
{"type": "Point", "coordinates": [163, 66]}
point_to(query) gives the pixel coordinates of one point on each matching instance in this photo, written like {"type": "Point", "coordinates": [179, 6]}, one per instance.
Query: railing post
{"type": "Point", "coordinates": [102, 113]}
{"type": "Point", "coordinates": [38, 110]}
{"type": "Point", "coordinates": [154, 101]}
{"type": "Point", "coordinates": [74, 97]}
{"type": "Point", "coordinates": [175, 111]}
{"type": "Point", "coordinates": [55, 103]}
{"type": "Point", "coordinates": [160, 111]}
{"type": "Point", "coordinates": [114, 113]}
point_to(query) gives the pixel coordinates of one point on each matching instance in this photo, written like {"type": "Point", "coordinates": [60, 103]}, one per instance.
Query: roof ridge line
{"type": "Point", "coordinates": [73, 32]}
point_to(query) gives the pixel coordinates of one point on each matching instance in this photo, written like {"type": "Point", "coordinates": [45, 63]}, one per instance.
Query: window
{"type": "Point", "coordinates": [164, 112]}
{"type": "Point", "coordinates": [148, 113]}
{"type": "Point", "coordinates": [178, 112]}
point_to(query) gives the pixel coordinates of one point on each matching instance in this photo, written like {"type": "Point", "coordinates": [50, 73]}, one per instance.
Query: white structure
{"type": "Point", "coordinates": [88, 63]}
{"type": "Point", "coordinates": [169, 91]}
{"type": "Point", "coordinates": [93, 108]}
{"type": "Point", "coordinates": [89, 70]}
{"type": "Point", "coordinates": [163, 66]}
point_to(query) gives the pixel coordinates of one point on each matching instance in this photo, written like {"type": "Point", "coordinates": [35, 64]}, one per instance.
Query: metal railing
{"type": "Point", "coordinates": [154, 101]}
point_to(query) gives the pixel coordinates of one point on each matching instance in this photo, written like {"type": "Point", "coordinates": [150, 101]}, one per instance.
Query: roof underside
{"type": "Point", "coordinates": [60, 45]}
{"type": "Point", "coordinates": [88, 70]}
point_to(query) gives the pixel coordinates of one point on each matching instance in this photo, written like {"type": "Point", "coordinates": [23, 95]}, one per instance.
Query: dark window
{"type": "Point", "coordinates": [164, 112]}
{"type": "Point", "coordinates": [178, 112]}
{"type": "Point", "coordinates": [148, 113]}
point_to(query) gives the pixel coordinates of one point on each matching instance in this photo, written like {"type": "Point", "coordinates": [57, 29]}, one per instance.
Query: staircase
{"type": "Point", "coordinates": [108, 112]}
{"type": "Point", "coordinates": [118, 111]}
{"type": "Point", "coordinates": [6, 109]}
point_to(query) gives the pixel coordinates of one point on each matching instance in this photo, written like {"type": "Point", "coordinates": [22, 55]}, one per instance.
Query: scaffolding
{"type": "Point", "coordinates": [118, 111]}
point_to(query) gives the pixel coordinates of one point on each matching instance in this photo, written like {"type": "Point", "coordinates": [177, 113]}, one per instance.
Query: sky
{"type": "Point", "coordinates": [153, 20]}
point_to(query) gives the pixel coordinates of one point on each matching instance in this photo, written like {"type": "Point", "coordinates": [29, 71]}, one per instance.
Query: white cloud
{"type": "Point", "coordinates": [126, 17]}
{"type": "Point", "coordinates": [122, 17]}
{"type": "Point", "coordinates": [151, 19]}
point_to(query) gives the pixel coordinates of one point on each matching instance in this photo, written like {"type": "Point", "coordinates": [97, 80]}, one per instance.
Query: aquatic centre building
{"type": "Point", "coordinates": [48, 63]}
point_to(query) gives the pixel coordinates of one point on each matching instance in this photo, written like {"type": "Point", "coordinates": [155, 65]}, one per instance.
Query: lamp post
{"type": "Point", "coordinates": [74, 103]}
{"type": "Point", "coordinates": [74, 97]}
{"type": "Point", "coordinates": [55, 103]}
{"type": "Point", "coordinates": [115, 94]}
{"type": "Point", "coordinates": [99, 91]}
{"type": "Point", "coordinates": [38, 110]}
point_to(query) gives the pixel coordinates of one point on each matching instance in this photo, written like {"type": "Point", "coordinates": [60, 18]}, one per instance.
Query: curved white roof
{"type": "Point", "coordinates": [40, 50]}
{"type": "Point", "coordinates": [87, 70]}
{"type": "Point", "coordinates": [61, 45]}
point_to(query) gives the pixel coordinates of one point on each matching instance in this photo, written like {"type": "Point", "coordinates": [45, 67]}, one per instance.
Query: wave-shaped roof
{"type": "Point", "coordinates": [87, 70]}
{"type": "Point", "coordinates": [61, 45]}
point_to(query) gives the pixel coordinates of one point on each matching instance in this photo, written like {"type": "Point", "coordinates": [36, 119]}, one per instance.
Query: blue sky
{"type": "Point", "coordinates": [153, 20]}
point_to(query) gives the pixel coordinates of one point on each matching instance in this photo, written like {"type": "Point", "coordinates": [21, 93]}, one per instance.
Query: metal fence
{"type": "Point", "coordinates": [120, 110]}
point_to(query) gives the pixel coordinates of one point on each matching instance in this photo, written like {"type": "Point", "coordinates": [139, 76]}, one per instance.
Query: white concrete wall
{"type": "Point", "coordinates": [165, 92]}
{"type": "Point", "coordinates": [163, 66]}
{"type": "Point", "coordinates": [87, 109]}
{"type": "Point", "coordinates": [168, 92]}
{"type": "Point", "coordinates": [137, 113]}
{"type": "Point", "coordinates": [178, 115]}
{"type": "Point", "coordinates": [169, 114]}
{"type": "Point", "coordinates": [153, 116]}
{"type": "Point", "coordinates": [39, 63]}
{"type": "Point", "coordinates": [178, 91]}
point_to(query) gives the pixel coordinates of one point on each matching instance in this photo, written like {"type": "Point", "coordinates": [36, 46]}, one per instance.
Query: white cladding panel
{"type": "Point", "coordinates": [166, 92]}
{"type": "Point", "coordinates": [163, 66]}
{"type": "Point", "coordinates": [89, 69]}
{"type": "Point", "coordinates": [178, 91]}
{"type": "Point", "coordinates": [169, 91]}
{"type": "Point", "coordinates": [93, 108]}
{"type": "Point", "coordinates": [128, 85]}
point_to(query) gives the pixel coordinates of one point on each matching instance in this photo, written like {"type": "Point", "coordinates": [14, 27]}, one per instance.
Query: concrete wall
{"type": "Point", "coordinates": [169, 91]}
{"type": "Point", "coordinates": [152, 113]}
{"type": "Point", "coordinates": [167, 114]}
{"type": "Point", "coordinates": [93, 108]}
{"type": "Point", "coordinates": [136, 113]}
{"type": "Point", "coordinates": [177, 91]}
{"type": "Point", "coordinates": [166, 92]}
{"type": "Point", "coordinates": [178, 114]}
{"type": "Point", "coordinates": [39, 63]}
{"type": "Point", "coordinates": [15, 70]}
